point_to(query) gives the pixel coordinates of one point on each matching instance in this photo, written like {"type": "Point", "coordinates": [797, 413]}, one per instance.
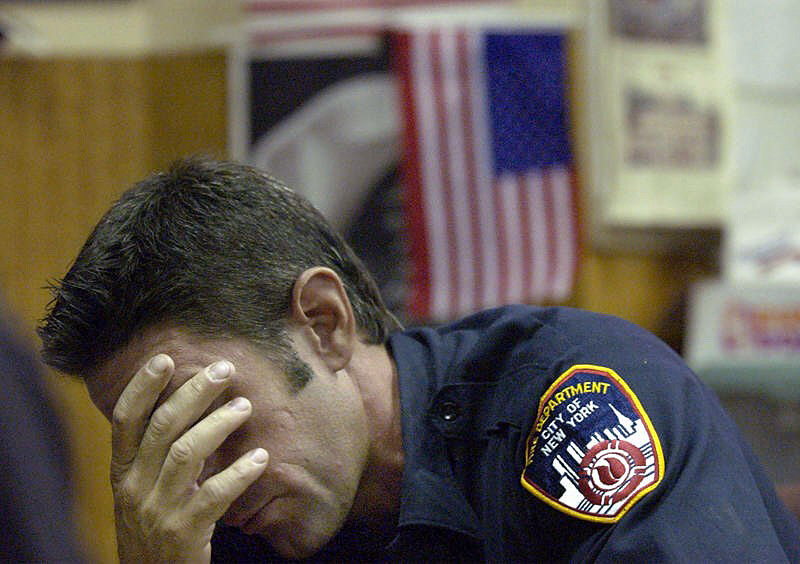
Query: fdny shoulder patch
{"type": "Point", "coordinates": [592, 452]}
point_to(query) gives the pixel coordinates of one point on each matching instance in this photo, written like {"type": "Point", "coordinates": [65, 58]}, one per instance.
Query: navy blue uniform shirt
{"type": "Point", "coordinates": [557, 434]}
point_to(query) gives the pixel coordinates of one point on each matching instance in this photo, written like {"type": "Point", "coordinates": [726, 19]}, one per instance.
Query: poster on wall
{"type": "Point", "coordinates": [328, 101]}
{"type": "Point", "coordinates": [660, 112]}
{"type": "Point", "coordinates": [762, 238]}
{"type": "Point", "coordinates": [745, 338]}
{"type": "Point", "coordinates": [312, 102]}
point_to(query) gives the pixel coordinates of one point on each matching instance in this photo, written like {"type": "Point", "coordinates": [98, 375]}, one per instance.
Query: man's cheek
{"type": "Point", "coordinates": [227, 453]}
{"type": "Point", "coordinates": [210, 468]}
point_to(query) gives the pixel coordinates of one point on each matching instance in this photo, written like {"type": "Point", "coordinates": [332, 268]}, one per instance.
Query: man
{"type": "Point", "coordinates": [252, 375]}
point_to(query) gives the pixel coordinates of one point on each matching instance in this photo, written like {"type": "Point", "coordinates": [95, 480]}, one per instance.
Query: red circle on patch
{"type": "Point", "coordinates": [611, 471]}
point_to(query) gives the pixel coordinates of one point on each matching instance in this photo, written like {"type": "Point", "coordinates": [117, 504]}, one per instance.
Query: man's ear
{"type": "Point", "coordinates": [321, 308]}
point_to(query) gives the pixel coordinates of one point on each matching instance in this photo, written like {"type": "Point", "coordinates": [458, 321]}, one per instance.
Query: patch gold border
{"type": "Point", "coordinates": [648, 425]}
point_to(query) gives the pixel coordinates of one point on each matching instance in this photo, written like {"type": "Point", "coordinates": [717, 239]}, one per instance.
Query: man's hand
{"type": "Point", "coordinates": [162, 514]}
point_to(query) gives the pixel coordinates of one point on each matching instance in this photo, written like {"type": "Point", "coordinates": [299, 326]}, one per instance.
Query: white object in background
{"type": "Point", "coordinates": [746, 338]}
{"type": "Point", "coordinates": [762, 242]}
{"type": "Point", "coordinates": [335, 146]}
{"type": "Point", "coordinates": [766, 44]}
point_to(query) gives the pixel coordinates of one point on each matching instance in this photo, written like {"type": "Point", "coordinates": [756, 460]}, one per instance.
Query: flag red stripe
{"type": "Point", "coordinates": [481, 156]}
{"type": "Point", "coordinates": [525, 237]}
{"type": "Point", "coordinates": [447, 181]}
{"type": "Point", "coordinates": [566, 226]}
{"type": "Point", "coordinates": [552, 233]}
{"type": "Point", "coordinates": [511, 192]}
{"type": "Point", "coordinates": [538, 231]}
{"type": "Point", "coordinates": [576, 240]}
{"type": "Point", "coordinates": [471, 167]}
{"type": "Point", "coordinates": [420, 282]}
{"type": "Point", "coordinates": [502, 250]}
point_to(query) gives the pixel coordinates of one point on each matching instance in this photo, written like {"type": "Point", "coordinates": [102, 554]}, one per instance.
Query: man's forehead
{"type": "Point", "coordinates": [189, 353]}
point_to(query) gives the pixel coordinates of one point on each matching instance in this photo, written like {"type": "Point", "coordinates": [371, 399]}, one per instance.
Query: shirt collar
{"type": "Point", "coordinates": [430, 494]}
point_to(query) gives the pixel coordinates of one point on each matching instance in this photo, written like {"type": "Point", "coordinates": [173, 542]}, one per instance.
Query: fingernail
{"type": "Point", "coordinates": [158, 364]}
{"type": "Point", "coordinates": [239, 404]}
{"type": "Point", "coordinates": [220, 370]}
{"type": "Point", "coordinates": [259, 456]}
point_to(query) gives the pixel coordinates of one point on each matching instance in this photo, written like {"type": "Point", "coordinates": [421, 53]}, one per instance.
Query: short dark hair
{"type": "Point", "coordinates": [213, 246]}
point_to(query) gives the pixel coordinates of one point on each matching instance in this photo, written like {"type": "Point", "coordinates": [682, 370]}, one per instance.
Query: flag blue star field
{"type": "Point", "coordinates": [491, 196]}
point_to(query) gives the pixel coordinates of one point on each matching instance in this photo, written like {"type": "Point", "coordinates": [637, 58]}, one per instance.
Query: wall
{"type": "Point", "coordinates": [117, 28]}
{"type": "Point", "coordinates": [76, 132]}
{"type": "Point", "coordinates": [80, 126]}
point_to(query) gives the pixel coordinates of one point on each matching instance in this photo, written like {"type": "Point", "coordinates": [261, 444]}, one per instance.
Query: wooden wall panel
{"type": "Point", "coordinates": [187, 107]}
{"type": "Point", "coordinates": [75, 133]}
{"type": "Point", "coordinates": [650, 290]}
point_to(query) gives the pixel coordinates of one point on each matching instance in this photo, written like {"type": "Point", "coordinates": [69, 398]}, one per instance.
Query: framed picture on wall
{"type": "Point", "coordinates": [660, 106]}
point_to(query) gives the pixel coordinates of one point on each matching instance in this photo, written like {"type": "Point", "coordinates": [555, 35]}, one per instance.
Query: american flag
{"type": "Point", "coordinates": [491, 196]}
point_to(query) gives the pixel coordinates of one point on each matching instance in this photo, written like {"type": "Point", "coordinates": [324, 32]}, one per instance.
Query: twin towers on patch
{"type": "Point", "coordinates": [625, 428]}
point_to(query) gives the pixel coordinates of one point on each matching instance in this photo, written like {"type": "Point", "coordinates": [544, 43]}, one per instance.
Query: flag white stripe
{"type": "Point", "coordinates": [510, 186]}
{"type": "Point", "coordinates": [538, 234]}
{"type": "Point", "coordinates": [462, 230]}
{"type": "Point", "coordinates": [482, 151]}
{"type": "Point", "coordinates": [565, 233]}
{"type": "Point", "coordinates": [438, 255]}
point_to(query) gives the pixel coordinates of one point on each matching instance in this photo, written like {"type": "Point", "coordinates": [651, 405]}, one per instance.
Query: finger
{"type": "Point", "coordinates": [132, 410]}
{"type": "Point", "coordinates": [181, 410]}
{"type": "Point", "coordinates": [187, 454]}
{"type": "Point", "coordinates": [217, 493]}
